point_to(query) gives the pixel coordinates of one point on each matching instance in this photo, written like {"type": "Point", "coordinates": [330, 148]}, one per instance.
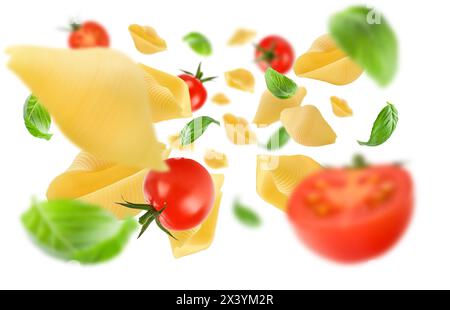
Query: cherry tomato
{"type": "Point", "coordinates": [88, 34]}
{"type": "Point", "coordinates": [197, 91]}
{"type": "Point", "coordinates": [275, 52]}
{"type": "Point", "coordinates": [352, 215]}
{"type": "Point", "coordinates": [186, 191]}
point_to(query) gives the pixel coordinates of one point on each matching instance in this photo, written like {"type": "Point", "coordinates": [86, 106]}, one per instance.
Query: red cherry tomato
{"type": "Point", "coordinates": [187, 191]}
{"type": "Point", "coordinates": [352, 215]}
{"type": "Point", "coordinates": [88, 34]}
{"type": "Point", "coordinates": [275, 52]}
{"type": "Point", "coordinates": [197, 91]}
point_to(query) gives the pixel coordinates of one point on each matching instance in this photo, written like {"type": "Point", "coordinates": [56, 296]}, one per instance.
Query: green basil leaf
{"type": "Point", "coordinates": [279, 85]}
{"type": "Point", "coordinates": [383, 127]}
{"type": "Point", "coordinates": [198, 43]}
{"type": "Point", "coordinates": [73, 230]}
{"type": "Point", "coordinates": [195, 128]}
{"type": "Point", "coordinates": [365, 35]}
{"type": "Point", "coordinates": [245, 215]}
{"type": "Point", "coordinates": [279, 139]}
{"type": "Point", "coordinates": [37, 120]}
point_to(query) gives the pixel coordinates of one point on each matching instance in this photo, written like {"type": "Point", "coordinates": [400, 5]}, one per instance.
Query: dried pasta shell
{"type": "Point", "coordinates": [215, 160]}
{"type": "Point", "coordinates": [340, 107]}
{"type": "Point", "coordinates": [146, 39]}
{"type": "Point", "coordinates": [238, 130]}
{"type": "Point", "coordinates": [241, 36]}
{"type": "Point", "coordinates": [220, 99]}
{"type": "Point", "coordinates": [241, 79]}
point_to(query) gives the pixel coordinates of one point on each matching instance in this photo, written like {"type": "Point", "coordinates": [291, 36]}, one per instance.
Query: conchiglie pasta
{"type": "Point", "coordinates": [168, 95]}
{"type": "Point", "coordinates": [241, 79]}
{"type": "Point", "coordinates": [146, 39]}
{"type": "Point", "coordinates": [324, 61]}
{"type": "Point", "coordinates": [220, 99]}
{"type": "Point", "coordinates": [97, 97]}
{"type": "Point", "coordinates": [340, 107]}
{"type": "Point", "coordinates": [215, 160]}
{"type": "Point", "coordinates": [307, 126]}
{"type": "Point", "coordinates": [238, 130]}
{"type": "Point", "coordinates": [241, 36]}
{"type": "Point", "coordinates": [201, 237]}
{"type": "Point", "coordinates": [277, 176]}
{"type": "Point", "coordinates": [270, 107]}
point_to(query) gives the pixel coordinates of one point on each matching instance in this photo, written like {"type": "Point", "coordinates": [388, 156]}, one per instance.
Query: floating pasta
{"type": "Point", "coordinates": [270, 107]}
{"type": "Point", "coordinates": [201, 237]}
{"type": "Point", "coordinates": [241, 36]}
{"type": "Point", "coordinates": [324, 61]}
{"type": "Point", "coordinates": [241, 79]}
{"type": "Point", "coordinates": [101, 183]}
{"type": "Point", "coordinates": [175, 143]}
{"type": "Point", "coordinates": [97, 97]}
{"type": "Point", "coordinates": [215, 160]}
{"type": "Point", "coordinates": [307, 126]}
{"type": "Point", "coordinates": [277, 176]}
{"type": "Point", "coordinates": [220, 99]}
{"type": "Point", "coordinates": [146, 39]}
{"type": "Point", "coordinates": [168, 95]}
{"type": "Point", "coordinates": [238, 130]}
{"type": "Point", "coordinates": [340, 107]}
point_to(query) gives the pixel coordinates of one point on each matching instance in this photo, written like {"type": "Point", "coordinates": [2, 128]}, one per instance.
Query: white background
{"type": "Point", "coordinates": [240, 258]}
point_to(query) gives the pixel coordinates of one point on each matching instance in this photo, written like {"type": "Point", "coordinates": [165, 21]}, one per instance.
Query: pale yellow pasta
{"type": "Point", "coordinates": [97, 97]}
{"type": "Point", "coordinates": [340, 107]}
{"type": "Point", "coordinates": [201, 237]}
{"type": "Point", "coordinates": [168, 95]}
{"type": "Point", "coordinates": [278, 176]}
{"type": "Point", "coordinates": [215, 160]}
{"type": "Point", "coordinates": [270, 107]}
{"type": "Point", "coordinates": [241, 79]}
{"type": "Point", "coordinates": [175, 143]}
{"type": "Point", "coordinates": [241, 36]}
{"type": "Point", "coordinates": [146, 39]}
{"type": "Point", "coordinates": [324, 61]}
{"type": "Point", "coordinates": [238, 130]}
{"type": "Point", "coordinates": [307, 126]}
{"type": "Point", "coordinates": [220, 99]}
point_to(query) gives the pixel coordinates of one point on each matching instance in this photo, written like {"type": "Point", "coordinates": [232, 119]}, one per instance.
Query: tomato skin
{"type": "Point", "coordinates": [354, 233]}
{"type": "Point", "coordinates": [283, 54]}
{"type": "Point", "coordinates": [197, 91]}
{"type": "Point", "coordinates": [88, 34]}
{"type": "Point", "coordinates": [186, 189]}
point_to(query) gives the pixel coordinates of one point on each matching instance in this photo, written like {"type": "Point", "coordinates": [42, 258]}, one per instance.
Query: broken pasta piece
{"type": "Point", "coordinates": [238, 130]}
{"type": "Point", "coordinates": [340, 107]}
{"type": "Point", "coordinates": [277, 176]}
{"type": "Point", "coordinates": [324, 61]}
{"type": "Point", "coordinates": [215, 160]}
{"type": "Point", "coordinates": [146, 39]}
{"type": "Point", "coordinates": [220, 99]}
{"type": "Point", "coordinates": [306, 126]}
{"type": "Point", "coordinates": [97, 105]}
{"type": "Point", "coordinates": [241, 36]}
{"type": "Point", "coordinates": [199, 238]}
{"type": "Point", "coordinates": [241, 79]}
{"type": "Point", "coordinates": [270, 107]}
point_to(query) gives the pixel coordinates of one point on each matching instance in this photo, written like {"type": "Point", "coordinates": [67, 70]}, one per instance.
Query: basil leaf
{"type": "Point", "coordinates": [245, 215]}
{"type": "Point", "coordinates": [195, 128]}
{"type": "Point", "coordinates": [73, 230]}
{"type": "Point", "coordinates": [383, 127]}
{"type": "Point", "coordinates": [279, 139]}
{"type": "Point", "coordinates": [198, 43]}
{"type": "Point", "coordinates": [37, 120]}
{"type": "Point", "coordinates": [279, 85]}
{"type": "Point", "coordinates": [365, 35]}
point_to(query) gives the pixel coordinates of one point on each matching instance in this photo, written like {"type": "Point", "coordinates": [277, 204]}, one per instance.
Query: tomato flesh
{"type": "Point", "coordinates": [89, 34]}
{"type": "Point", "coordinates": [187, 191]}
{"type": "Point", "coordinates": [352, 215]}
{"type": "Point", "coordinates": [197, 91]}
{"type": "Point", "coordinates": [275, 52]}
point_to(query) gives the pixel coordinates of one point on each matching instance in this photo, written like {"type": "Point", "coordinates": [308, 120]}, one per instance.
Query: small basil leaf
{"type": "Point", "coordinates": [279, 85]}
{"type": "Point", "coordinates": [73, 230]}
{"type": "Point", "coordinates": [198, 43]}
{"type": "Point", "coordinates": [383, 127]}
{"type": "Point", "coordinates": [365, 35]}
{"type": "Point", "coordinates": [279, 139]}
{"type": "Point", "coordinates": [36, 118]}
{"type": "Point", "coordinates": [245, 215]}
{"type": "Point", "coordinates": [195, 128]}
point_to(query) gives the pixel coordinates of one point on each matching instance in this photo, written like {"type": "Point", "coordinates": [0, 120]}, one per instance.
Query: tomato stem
{"type": "Point", "coordinates": [359, 162]}
{"type": "Point", "coordinates": [268, 55]}
{"type": "Point", "coordinates": [199, 74]}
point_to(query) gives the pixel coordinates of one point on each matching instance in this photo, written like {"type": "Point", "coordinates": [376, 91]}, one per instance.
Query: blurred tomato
{"type": "Point", "coordinates": [88, 34]}
{"type": "Point", "coordinates": [275, 52]}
